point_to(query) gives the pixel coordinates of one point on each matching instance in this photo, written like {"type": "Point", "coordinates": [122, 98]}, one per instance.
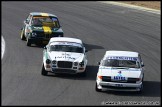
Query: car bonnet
{"type": "Point", "coordinates": [66, 56]}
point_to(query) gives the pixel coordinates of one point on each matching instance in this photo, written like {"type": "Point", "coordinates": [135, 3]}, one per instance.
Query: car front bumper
{"type": "Point", "coordinates": [119, 86]}
{"type": "Point", "coordinates": [39, 40]}
{"type": "Point", "coordinates": [43, 39]}
{"type": "Point", "coordinates": [65, 70]}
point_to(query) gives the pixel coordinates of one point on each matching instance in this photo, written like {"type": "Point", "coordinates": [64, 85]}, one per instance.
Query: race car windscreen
{"type": "Point", "coordinates": [66, 48]}
{"type": "Point", "coordinates": [120, 63]}
{"type": "Point", "coordinates": [45, 21]}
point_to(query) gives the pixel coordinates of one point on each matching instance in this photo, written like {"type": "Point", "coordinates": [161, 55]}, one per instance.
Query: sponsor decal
{"type": "Point", "coordinates": [65, 57]}
{"type": "Point", "coordinates": [66, 43]}
{"type": "Point", "coordinates": [120, 75]}
{"type": "Point", "coordinates": [122, 58]}
{"type": "Point", "coordinates": [65, 54]}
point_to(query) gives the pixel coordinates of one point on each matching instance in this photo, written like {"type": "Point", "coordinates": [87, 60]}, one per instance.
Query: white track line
{"type": "Point", "coordinates": [132, 6]}
{"type": "Point", "coordinates": [3, 46]}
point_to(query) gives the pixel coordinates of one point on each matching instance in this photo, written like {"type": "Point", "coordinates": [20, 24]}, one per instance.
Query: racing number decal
{"type": "Point", "coordinates": [119, 78]}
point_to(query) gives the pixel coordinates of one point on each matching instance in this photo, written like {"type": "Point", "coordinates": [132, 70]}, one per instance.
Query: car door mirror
{"type": "Point", "coordinates": [26, 22]}
{"type": "Point", "coordinates": [86, 50]}
{"type": "Point", "coordinates": [45, 47]}
{"type": "Point", "coordinates": [142, 64]}
{"type": "Point", "coordinates": [98, 63]}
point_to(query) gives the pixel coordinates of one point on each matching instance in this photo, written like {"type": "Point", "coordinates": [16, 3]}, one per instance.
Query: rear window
{"type": "Point", "coordinates": [120, 63]}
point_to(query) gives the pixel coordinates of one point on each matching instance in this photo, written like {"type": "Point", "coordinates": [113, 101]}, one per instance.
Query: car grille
{"type": "Point", "coordinates": [64, 71]}
{"type": "Point", "coordinates": [50, 35]}
{"type": "Point", "coordinates": [43, 35]}
{"type": "Point", "coordinates": [64, 64]}
{"type": "Point", "coordinates": [108, 79]}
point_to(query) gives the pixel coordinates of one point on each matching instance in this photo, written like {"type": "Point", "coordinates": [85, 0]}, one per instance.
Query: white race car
{"type": "Point", "coordinates": [120, 71]}
{"type": "Point", "coordinates": [64, 55]}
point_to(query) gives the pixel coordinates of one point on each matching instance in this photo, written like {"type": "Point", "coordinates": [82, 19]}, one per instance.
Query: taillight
{"type": "Point", "coordinates": [100, 77]}
{"type": "Point", "coordinates": [138, 79]}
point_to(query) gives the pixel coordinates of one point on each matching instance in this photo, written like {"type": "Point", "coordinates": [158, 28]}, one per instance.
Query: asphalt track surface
{"type": "Point", "coordinates": [101, 27]}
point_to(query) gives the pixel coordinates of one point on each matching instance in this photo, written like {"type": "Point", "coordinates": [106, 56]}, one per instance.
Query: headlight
{"type": "Point", "coordinates": [34, 34]}
{"type": "Point", "coordinates": [81, 63]}
{"type": "Point", "coordinates": [75, 63]}
{"type": "Point", "coordinates": [54, 62]}
{"type": "Point", "coordinates": [48, 61]}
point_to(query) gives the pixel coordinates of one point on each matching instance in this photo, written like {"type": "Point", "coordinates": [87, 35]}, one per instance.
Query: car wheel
{"type": "Point", "coordinates": [22, 35]}
{"type": "Point", "coordinates": [44, 72]}
{"type": "Point", "coordinates": [28, 43]}
{"type": "Point", "coordinates": [141, 88]}
{"type": "Point", "coordinates": [98, 90]}
{"type": "Point", "coordinates": [83, 74]}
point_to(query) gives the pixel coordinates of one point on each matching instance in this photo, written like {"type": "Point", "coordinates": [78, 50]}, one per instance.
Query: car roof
{"type": "Point", "coordinates": [65, 39]}
{"type": "Point", "coordinates": [121, 53]}
{"type": "Point", "coordinates": [42, 14]}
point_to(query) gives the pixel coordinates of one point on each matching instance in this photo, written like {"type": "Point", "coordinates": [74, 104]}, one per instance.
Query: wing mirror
{"type": "Point", "coordinates": [26, 22]}
{"type": "Point", "coordinates": [45, 47]}
{"type": "Point", "coordinates": [86, 50]}
{"type": "Point", "coordinates": [98, 63]}
{"type": "Point", "coordinates": [142, 64]}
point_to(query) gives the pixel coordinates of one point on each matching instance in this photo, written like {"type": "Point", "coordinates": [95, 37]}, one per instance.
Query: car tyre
{"type": "Point", "coordinates": [22, 35]}
{"type": "Point", "coordinates": [28, 43]}
{"type": "Point", "coordinates": [44, 72]}
{"type": "Point", "coordinates": [83, 74]}
{"type": "Point", "coordinates": [96, 88]}
{"type": "Point", "coordinates": [141, 89]}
